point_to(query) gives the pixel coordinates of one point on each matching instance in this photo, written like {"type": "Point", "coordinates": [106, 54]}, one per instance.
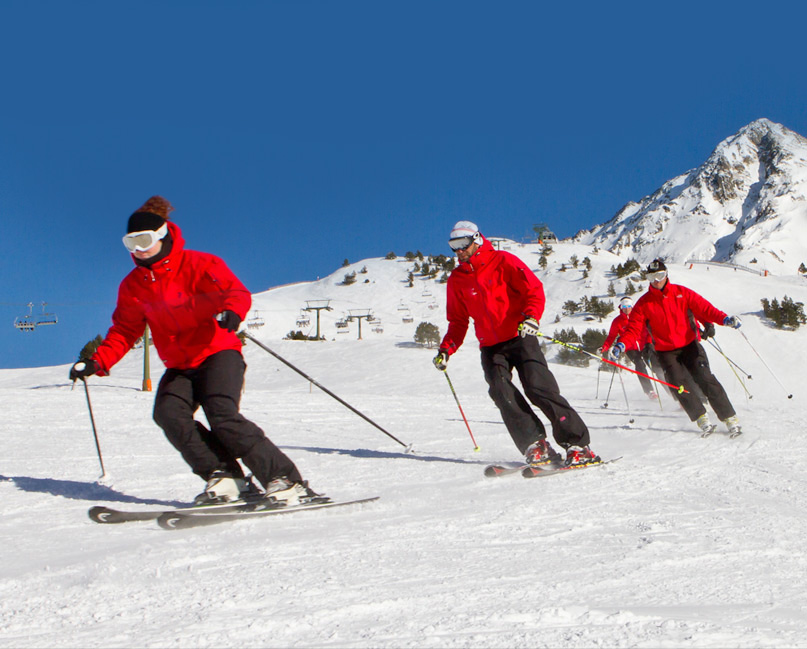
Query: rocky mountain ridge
{"type": "Point", "coordinates": [746, 205]}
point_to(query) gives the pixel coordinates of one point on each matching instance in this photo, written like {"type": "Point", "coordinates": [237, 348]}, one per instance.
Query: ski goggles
{"type": "Point", "coordinates": [657, 276]}
{"type": "Point", "coordinates": [142, 241]}
{"type": "Point", "coordinates": [460, 244]}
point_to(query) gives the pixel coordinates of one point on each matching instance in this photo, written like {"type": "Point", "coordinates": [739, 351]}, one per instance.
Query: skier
{"type": "Point", "coordinates": [665, 309]}
{"type": "Point", "coordinates": [193, 305]}
{"type": "Point", "coordinates": [640, 354]}
{"type": "Point", "coordinates": [506, 301]}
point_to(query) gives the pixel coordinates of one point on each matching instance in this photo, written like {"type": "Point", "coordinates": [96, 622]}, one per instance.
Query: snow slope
{"type": "Point", "coordinates": [683, 542]}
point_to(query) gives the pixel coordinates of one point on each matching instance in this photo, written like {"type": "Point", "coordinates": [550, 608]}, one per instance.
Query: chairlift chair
{"type": "Point", "coordinates": [46, 318]}
{"type": "Point", "coordinates": [255, 321]}
{"type": "Point", "coordinates": [26, 322]}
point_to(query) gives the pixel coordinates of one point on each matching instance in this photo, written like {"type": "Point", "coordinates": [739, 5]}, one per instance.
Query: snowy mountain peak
{"type": "Point", "coordinates": [746, 204]}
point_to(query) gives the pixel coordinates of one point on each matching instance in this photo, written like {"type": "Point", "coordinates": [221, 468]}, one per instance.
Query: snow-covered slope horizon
{"type": "Point", "coordinates": [682, 542]}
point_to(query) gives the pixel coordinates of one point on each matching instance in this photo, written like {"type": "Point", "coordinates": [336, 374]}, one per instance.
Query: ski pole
{"type": "Point", "coordinates": [456, 398]}
{"type": "Point", "coordinates": [94, 431]}
{"type": "Point", "coordinates": [732, 365]}
{"type": "Point", "coordinates": [599, 369]}
{"type": "Point", "coordinates": [625, 392]}
{"type": "Point", "coordinates": [326, 391]}
{"type": "Point", "coordinates": [610, 385]}
{"type": "Point", "coordinates": [789, 396]}
{"type": "Point", "coordinates": [680, 389]}
{"type": "Point", "coordinates": [714, 344]}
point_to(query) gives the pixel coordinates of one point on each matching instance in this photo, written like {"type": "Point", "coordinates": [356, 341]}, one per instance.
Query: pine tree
{"type": "Point", "coordinates": [427, 334]}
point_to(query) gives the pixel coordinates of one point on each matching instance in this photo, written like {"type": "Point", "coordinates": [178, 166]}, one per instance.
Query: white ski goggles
{"type": "Point", "coordinates": [461, 244]}
{"type": "Point", "coordinates": [142, 241]}
{"type": "Point", "coordinates": [657, 276]}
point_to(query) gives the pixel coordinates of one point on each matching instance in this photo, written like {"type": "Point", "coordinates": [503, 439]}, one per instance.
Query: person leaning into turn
{"type": "Point", "coordinates": [506, 301]}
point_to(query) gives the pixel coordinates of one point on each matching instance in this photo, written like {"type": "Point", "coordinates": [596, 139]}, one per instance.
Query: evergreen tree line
{"type": "Point", "coordinates": [593, 305]}
{"type": "Point", "coordinates": [784, 314]}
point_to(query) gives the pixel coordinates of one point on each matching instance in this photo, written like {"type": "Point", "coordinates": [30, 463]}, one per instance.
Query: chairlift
{"type": "Point", "coordinates": [26, 322]}
{"type": "Point", "coordinates": [256, 321]}
{"type": "Point", "coordinates": [403, 307]}
{"type": "Point", "coordinates": [407, 318]}
{"type": "Point", "coordinates": [303, 320]}
{"type": "Point", "coordinates": [342, 324]}
{"type": "Point", "coordinates": [378, 328]}
{"type": "Point", "coordinates": [46, 318]}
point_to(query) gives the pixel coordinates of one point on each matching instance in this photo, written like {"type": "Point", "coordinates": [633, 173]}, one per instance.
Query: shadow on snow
{"type": "Point", "coordinates": [74, 490]}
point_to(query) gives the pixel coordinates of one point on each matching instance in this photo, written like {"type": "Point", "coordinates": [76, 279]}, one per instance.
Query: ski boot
{"type": "Point", "coordinates": [282, 492]}
{"type": "Point", "coordinates": [221, 487]}
{"type": "Point", "coordinates": [578, 456]}
{"type": "Point", "coordinates": [733, 425]}
{"type": "Point", "coordinates": [706, 426]}
{"type": "Point", "coordinates": [541, 453]}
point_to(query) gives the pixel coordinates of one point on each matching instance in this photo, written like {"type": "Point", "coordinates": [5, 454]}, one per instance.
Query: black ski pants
{"type": "Point", "coordinates": [687, 364]}
{"type": "Point", "coordinates": [540, 387]}
{"type": "Point", "coordinates": [216, 386]}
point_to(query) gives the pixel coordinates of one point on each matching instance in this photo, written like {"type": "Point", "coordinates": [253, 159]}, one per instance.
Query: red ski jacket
{"type": "Point", "coordinates": [666, 313]}
{"type": "Point", "coordinates": [617, 327]}
{"type": "Point", "coordinates": [178, 297]}
{"type": "Point", "coordinates": [498, 291]}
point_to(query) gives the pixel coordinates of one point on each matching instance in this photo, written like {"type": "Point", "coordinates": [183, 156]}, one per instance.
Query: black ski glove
{"type": "Point", "coordinates": [83, 369]}
{"type": "Point", "coordinates": [708, 330]}
{"type": "Point", "coordinates": [229, 320]}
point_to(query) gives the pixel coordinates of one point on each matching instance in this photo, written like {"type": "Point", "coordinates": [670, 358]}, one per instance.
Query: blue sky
{"type": "Point", "coordinates": [292, 135]}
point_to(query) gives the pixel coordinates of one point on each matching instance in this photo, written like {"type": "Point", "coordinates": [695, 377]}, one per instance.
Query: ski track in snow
{"type": "Point", "coordinates": [683, 542]}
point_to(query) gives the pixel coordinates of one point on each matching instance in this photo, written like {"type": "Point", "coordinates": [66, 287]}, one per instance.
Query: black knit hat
{"type": "Point", "coordinates": [141, 221]}
{"type": "Point", "coordinates": [655, 266]}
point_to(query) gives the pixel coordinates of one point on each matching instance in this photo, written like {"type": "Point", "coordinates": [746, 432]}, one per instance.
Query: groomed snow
{"type": "Point", "coordinates": [683, 542]}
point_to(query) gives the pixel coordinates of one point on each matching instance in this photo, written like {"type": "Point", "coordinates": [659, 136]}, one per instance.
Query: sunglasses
{"type": "Point", "coordinates": [460, 244]}
{"type": "Point", "coordinates": [142, 241]}
{"type": "Point", "coordinates": [657, 276]}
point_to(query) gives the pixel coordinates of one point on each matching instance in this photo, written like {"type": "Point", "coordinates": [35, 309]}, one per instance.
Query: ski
{"type": "Point", "coordinates": [107, 515]}
{"type": "Point", "coordinates": [184, 519]}
{"type": "Point", "coordinates": [498, 470]}
{"type": "Point", "coordinates": [538, 472]}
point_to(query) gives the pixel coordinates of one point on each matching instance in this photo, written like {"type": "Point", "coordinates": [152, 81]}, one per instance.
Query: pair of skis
{"type": "Point", "coordinates": [202, 515]}
{"type": "Point", "coordinates": [540, 470]}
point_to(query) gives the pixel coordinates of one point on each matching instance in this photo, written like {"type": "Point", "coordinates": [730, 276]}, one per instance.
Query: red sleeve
{"type": "Point", "coordinates": [128, 324]}
{"type": "Point", "coordinates": [702, 309]}
{"type": "Point", "coordinates": [636, 328]}
{"type": "Point", "coordinates": [457, 317]}
{"type": "Point", "coordinates": [613, 332]}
